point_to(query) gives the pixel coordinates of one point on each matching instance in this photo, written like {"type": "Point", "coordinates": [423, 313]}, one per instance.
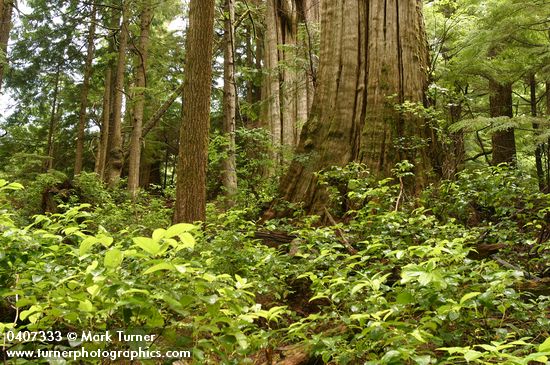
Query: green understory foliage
{"type": "Point", "coordinates": [397, 281]}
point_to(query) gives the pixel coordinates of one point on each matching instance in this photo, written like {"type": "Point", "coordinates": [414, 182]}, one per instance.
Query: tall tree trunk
{"type": "Point", "coordinates": [193, 146]}
{"type": "Point", "coordinates": [308, 18]}
{"type": "Point", "coordinates": [139, 98]}
{"type": "Point", "coordinates": [108, 97]}
{"type": "Point", "coordinates": [115, 155]}
{"type": "Point", "coordinates": [369, 52]}
{"type": "Point", "coordinates": [539, 150]}
{"type": "Point", "coordinates": [6, 11]}
{"type": "Point", "coordinates": [84, 94]}
{"type": "Point", "coordinates": [500, 105]}
{"type": "Point", "coordinates": [547, 184]}
{"type": "Point", "coordinates": [104, 135]}
{"type": "Point", "coordinates": [229, 173]}
{"type": "Point", "coordinates": [272, 113]}
{"type": "Point", "coordinates": [288, 25]}
{"type": "Point", "coordinates": [53, 121]}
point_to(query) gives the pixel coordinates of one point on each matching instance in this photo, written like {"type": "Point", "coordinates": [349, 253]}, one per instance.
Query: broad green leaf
{"type": "Point", "coordinates": [85, 306]}
{"type": "Point", "coordinates": [545, 346]}
{"type": "Point", "coordinates": [92, 266]}
{"type": "Point", "coordinates": [187, 240]}
{"type": "Point", "coordinates": [113, 258]}
{"type": "Point", "coordinates": [147, 244]}
{"type": "Point", "coordinates": [158, 234]}
{"type": "Point", "coordinates": [32, 310]}
{"type": "Point", "coordinates": [159, 267]}
{"type": "Point", "coordinates": [93, 290]}
{"type": "Point", "coordinates": [472, 355]}
{"type": "Point", "coordinates": [178, 229]}
{"type": "Point", "coordinates": [86, 244]}
{"type": "Point", "coordinates": [104, 240]}
{"type": "Point", "coordinates": [423, 360]}
{"type": "Point", "coordinates": [208, 277]}
{"type": "Point", "coordinates": [358, 287]}
{"type": "Point", "coordinates": [70, 230]}
{"type": "Point", "coordinates": [416, 334]}
{"type": "Point", "coordinates": [404, 298]}
{"type": "Point", "coordinates": [181, 268]}
{"type": "Point", "coordinates": [390, 356]}
{"type": "Point", "coordinates": [13, 186]}
{"type": "Point", "coordinates": [468, 296]}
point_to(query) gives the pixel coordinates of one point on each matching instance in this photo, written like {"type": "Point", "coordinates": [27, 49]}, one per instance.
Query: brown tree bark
{"type": "Point", "coordinates": [53, 121]}
{"type": "Point", "coordinates": [115, 154]}
{"type": "Point", "coordinates": [139, 98]}
{"type": "Point", "coordinates": [81, 127]}
{"type": "Point", "coordinates": [288, 29]}
{"type": "Point", "coordinates": [155, 118]}
{"type": "Point", "coordinates": [500, 105]}
{"type": "Point", "coordinates": [108, 97]}
{"type": "Point", "coordinates": [229, 173]}
{"type": "Point", "coordinates": [193, 148]}
{"type": "Point", "coordinates": [288, 83]}
{"type": "Point", "coordinates": [370, 51]}
{"type": "Point", "coordinates": [6, 11]}
{"type": "Point", "coordinates": [271, 91]}
{"type": "Point", "coordinates": [539, 149]}
{"type": "Point", "coordinates": [102, 148]}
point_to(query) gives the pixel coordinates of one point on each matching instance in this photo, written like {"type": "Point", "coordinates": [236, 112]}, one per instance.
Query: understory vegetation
{"type": "Point", "coordinates": [458, 275]}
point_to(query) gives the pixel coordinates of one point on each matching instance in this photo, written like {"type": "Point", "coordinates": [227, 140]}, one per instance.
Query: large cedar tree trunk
{"type": "Point", "coordinates": [139, 98]}
{"type": "Point", "coordinates": [229, 173]}
{"type": "Point", "coordinates": [81, 127]}
{"type": "Point", "coordinates": [373, 55]}
{"type": "Point", "coordinates": [500, 104]}
{"type": "Point", "coordinates": [193, 147]}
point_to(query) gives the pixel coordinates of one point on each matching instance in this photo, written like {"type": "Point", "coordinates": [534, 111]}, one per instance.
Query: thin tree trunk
{"type": "Point", "coordinates": [500, 105]}
{"type": "Point", "coordinates": [547, 185]}
{"type": "Point", "coordinates": [539, 150]}
{"type": "Point", "coordinates": [310, 18]}
{"type": "Point", "coordinates": [139, 99]}
{"type": "Point", "coordinates": [154, 119]}
{"type": "Point", "coordinates": [288, 25]}
{"type": "Point", "coordinates": [108, 98]}
{"type": "Point", "coordinates": [229, 173]}
{"type": "Point", "coordinates": [84, 94]}
{"type": "Point", "coordinates": [53, 122]}
{"type": "Point", "coordinates": [104, 135]}
{"type": "Point", "coordinates": [193, 145]}
{"type": "Point", "coordinates": [6, 11]}
{"type": "Point", "coordinates": [272, 86]}
{"type": "Point", "coordinates": [115, 155]}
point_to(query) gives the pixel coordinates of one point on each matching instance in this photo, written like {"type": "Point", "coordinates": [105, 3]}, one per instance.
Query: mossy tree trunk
{"type": "Point", "coordinates": [373, 56]}
{"type": "Point", "coordinates": [500, 105]}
